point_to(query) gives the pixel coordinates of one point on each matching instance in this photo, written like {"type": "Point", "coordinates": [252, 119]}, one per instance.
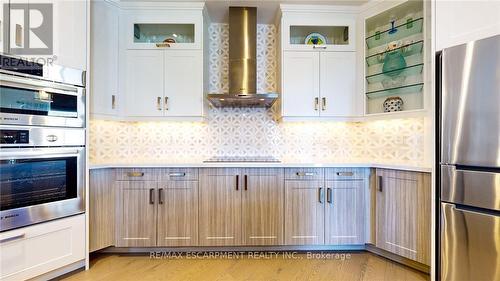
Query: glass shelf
{"type": "Point", "coordinates": [406, 89]}
{"type": "Point", "coordinates": [403, 30]}
{"type": "Point", "coordinates": [334, 35]}
{"type": "Point", "coordinates": [157, 33]}
{"type": "Point", "coordinates": [406, 51]}
{"type": "Point", "coordinates": [395, 74]}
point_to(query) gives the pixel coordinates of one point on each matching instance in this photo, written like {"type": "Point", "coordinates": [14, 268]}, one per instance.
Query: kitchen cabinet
{"type": "Point", "coordinates": [318, 80]}
{"type": "Point", "coordinates": [104, 96]}
{"type": "Point", "coordinates": [241, 207]}
{"type": "Point", "coordinates": [69, 32]}
{"type": "Point", "coordinates": [300, 84]}
{"type": "Point", "coordinates": [403, 214]}
{"type": "Point", "coordinates": [459, 22]}
{"type": "Point", "coordinates": [262, 206]}
{"type": "Point", "coordinates": [101, 211]}
{"type": "Point", "coordinates": [164, 83]}
{"type": "Point", "coordinates": [220, 207]}
{"type": "Point", "coordinates": [28, 252]}
{"type": "Point", "coordinates": [318, 84]}
{"type": "Point", "coordinates": [177, 213]}
{"type": "Point", "coordinates": [136, 213]}
{"type": "Point", "coordinates": [156, 207]}
{"type": "Point", "coordinates": [304, 212]}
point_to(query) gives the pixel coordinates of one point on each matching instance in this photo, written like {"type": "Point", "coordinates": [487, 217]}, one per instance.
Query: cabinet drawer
{"type": "Point", "coordinates": [137, 174]}
{"type": "Point", "coordinates": [303, 174]}
{"type": "Point", "coordinates": [346, 173]}
{"type": "Point", "coordinates": [34, 250]}
{"type": "Point", "coordinates": [179, 174]}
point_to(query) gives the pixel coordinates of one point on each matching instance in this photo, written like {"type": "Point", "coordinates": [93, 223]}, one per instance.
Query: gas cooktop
{"type": "Point", "coordinates": [253, 159]}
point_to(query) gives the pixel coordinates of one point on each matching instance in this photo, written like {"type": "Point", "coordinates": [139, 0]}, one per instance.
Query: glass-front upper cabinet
{"type": "Point", "coordinates": [318, 31]}
{"type": "Point", "coordinates": [164, 30]}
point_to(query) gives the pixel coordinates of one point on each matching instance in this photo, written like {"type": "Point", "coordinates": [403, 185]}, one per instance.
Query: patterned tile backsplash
{"type": "Point", "coordinates": [253, 132]}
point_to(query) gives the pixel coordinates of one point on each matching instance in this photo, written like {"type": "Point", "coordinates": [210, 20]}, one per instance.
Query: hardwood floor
{"type": "Point", "coordinates": [360, 266]}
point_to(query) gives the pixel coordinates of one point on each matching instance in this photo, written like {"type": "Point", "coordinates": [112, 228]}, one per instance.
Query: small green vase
{"type": "Point", "coordinates": [392, 62]}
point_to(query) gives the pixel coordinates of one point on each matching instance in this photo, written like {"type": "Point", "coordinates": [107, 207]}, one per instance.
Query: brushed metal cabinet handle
{"type": "Point", "coordinates": [151, 196]}
{"type": "Point", "coordinates": [323, 103]}
{"type": "Point", "coordinates": [246, 182]}
{"type": "Point", "coordinates": [320, 195]}
{"type": "Point", "coordinates": [162, 45]}
{"type": "Point", "coordinates": [177, 174]}
{"type": "Point", "coordinates": [380, 180]}
{"type": "Point", "coordinates": [19, 35]}
{"type": "Point", "coordinates": [237, 182]}
{"type": "Point", "coordinates": [329, 195]}
{"type": "Point", "coordinates": [158, 103]}
{"type": "Point", "coordinates": [345, 174]}
{"type": "Point", "coordinates": [319, 47]}
{"type": "Point", "coordinates": [302, 174]}
{"type": "Point", "coordinates": [113, 101]}
{"type": "Point", "coordinates": [135, 174]}
{"type": "Point", "coordinates": [160, 196]}
{"type": "Point", "coordinates": [16, 237]}
{"type": "Point", "coordinates": [166, 103]}
{"type": "Point", "coordinates": [316, 103]}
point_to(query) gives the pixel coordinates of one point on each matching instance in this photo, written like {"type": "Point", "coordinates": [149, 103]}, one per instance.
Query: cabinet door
{"type": "Point", "coordinates": [304, 212]}
{"type": "Point", "coordinates": [263, 195]}
{"type": "Point", "coordinates": [403, 214]}
{"type": "Point", "coordinates": [104, 58]}
{"type": "Point", "coordinates": [144, 82]}
{"type": "Point", "coordinates": [220, 207]}
{"type": "Point", "coordinates": [337, 83]}
{"type": "Point", "coordinates": [101, 211]}
{"type": "Point", "coordinates": [183, 83]}
{"type": "Point", "coordinates": [345, 212]}
{"type": "Point", "coordinates": [178, 213]}
{"type": "Point", "coordinates": [136, 217]}
{"type": "Point", "coordinates": [300, 84]}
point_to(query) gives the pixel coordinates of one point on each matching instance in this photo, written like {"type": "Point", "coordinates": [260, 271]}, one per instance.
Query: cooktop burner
{"type": "Point", "coordinates": [266, 159]}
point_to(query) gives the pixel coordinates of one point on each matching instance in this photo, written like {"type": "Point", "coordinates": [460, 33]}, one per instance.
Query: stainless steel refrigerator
{"type": "Point", "coordinates": [469, 176]}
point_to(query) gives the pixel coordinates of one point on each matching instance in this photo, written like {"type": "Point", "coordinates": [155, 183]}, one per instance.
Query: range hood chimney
{"type": "Point", "coordinates": [242, 63]}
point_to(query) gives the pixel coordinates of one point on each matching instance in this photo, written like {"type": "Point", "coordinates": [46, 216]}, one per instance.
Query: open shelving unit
{"type": "Point", "coordinates": [394, 58]}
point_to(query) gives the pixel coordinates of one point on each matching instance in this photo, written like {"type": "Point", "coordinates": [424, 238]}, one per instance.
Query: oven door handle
{"type": "Point", "coordinates": [6, 154]}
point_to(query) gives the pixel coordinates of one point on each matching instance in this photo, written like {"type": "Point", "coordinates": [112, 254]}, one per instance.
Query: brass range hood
{"type": "Point", "coordinates": [242, 63]}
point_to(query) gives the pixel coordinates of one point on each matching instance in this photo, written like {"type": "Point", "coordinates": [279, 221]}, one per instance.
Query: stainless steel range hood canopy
{"type": "Point", "coordinates": [242, 63]}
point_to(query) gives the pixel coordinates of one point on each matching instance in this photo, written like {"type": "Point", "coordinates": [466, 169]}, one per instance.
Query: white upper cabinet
{"type": "Point", "coordinates": [458, 22]}
{"type": "Point", "coordinates": [69, 31]}
{"type": "Point", "coordinates": [318, 79]}
{"type": "Point", "coordinates": [303, 26]}
{"type": "Point", "coordinates": [144, 83]}
{"type": "Point", "coordinates": [300, 93]}
{"type": "Point", "coordinates": [173, 28]}
{"type": "Point", "coordinates": [183, 83]}
{"type": "Point", "coordinates": [104, 58]}
{"type": "Point", "coordinates": [337, 84]}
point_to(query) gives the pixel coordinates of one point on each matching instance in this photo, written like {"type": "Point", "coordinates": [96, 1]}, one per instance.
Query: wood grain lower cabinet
{"type": "Point", "coordinates": [345, 212]}
{"type": "Point", "coordinates": [304, 212]}
{"type": "Point", "coordinates": [136, 218]}
{"type": "Point", "coordinates": [403, 214]}
{"type": "Point", "coordinates": [262, 206]}
{"type": "Point", "coordinates": [177, 213]}
{"type": "Point", "coordinates": [101, 209]}
{"type": "Point", "coordinates": [220, 207]}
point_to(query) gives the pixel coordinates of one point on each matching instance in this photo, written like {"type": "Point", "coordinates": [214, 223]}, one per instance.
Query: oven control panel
{"type": "Point", "coordinates": [14, 136]}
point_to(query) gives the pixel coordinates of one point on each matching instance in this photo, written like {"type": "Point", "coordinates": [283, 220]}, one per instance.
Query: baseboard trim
{"type": "Point", "coordinates": [60, 272]}
{"type": "Point", "coordinates": [399, 259]}
{"type": "Point", "coordinates": [147, 250]}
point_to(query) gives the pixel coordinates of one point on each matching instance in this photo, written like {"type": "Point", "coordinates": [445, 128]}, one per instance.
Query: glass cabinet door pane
{"type": "Point", "coordinates": [157, 33]}
{"type": "Point", "coordinates": [334, 35]}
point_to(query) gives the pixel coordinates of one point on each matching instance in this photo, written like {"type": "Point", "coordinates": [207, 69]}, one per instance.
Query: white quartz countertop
{"type": "Point", "coordinates": [406, 167]}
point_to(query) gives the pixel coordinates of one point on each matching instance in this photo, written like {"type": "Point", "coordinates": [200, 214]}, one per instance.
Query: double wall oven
{"type": "Point", "coordinates": [42, 142]}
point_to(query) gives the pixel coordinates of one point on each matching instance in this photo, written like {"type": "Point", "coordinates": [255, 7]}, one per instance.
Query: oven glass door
{"type": "Point", "coordinates": [37, 102]}
{"type": "Point", "coordinates": [28, 182]}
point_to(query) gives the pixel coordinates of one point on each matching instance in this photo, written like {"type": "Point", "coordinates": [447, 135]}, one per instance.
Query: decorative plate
{"type": "Point", "coordinates": [315, 39]}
